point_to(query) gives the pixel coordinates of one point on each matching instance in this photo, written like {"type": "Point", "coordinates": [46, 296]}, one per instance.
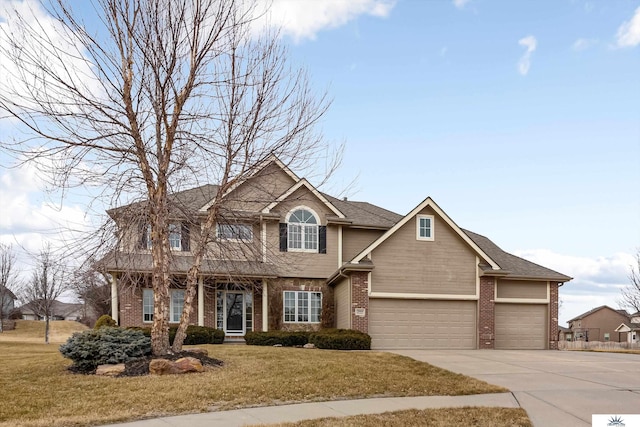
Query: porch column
{"type": "Point", "coordinates": [115, 311]}
{"type": "Point", "coordinates": [265, 307]}
{"type": "Point", "coordinates": [201, 301]}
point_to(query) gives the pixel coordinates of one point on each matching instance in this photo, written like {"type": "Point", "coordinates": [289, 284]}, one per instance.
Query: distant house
{"type": "Point", "coordinates": [564, 334]}
{"type": "Point", "coordinates": [599, 324]}
{"type": "Point", "coordinates": [60, 311]}
{"type": "Point", "coordinates": [631, 328]}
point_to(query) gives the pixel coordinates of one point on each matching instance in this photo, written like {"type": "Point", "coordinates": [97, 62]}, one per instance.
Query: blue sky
{"type": "Point", "coordinates": [520, 119]}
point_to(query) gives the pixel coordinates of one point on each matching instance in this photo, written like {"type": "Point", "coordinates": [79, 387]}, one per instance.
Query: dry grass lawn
{"type": "Point", "coordinates": [33, 331]}
{"type": "Point", "coordinates": [445, 417]}
{"type": "Point", "coordinates": [44, 393]}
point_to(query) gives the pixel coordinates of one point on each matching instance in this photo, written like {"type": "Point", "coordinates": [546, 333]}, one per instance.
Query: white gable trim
{"type": "Point", "coordinates": [410, 216]}
{"type": "Point", "coordinates": [623, 328]}
{"type": "Point", "coordinates": [267, 162]}
{"type": "Point", "coordinates": [304, 183]}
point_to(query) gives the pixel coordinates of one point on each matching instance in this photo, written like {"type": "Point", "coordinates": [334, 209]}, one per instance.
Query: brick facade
{"type": "Point", "coordinates": [360, 300]}
{"type": "Point", "coordinates": [553, 315]}
{"type": "Point", "coordinates": [486, 316]}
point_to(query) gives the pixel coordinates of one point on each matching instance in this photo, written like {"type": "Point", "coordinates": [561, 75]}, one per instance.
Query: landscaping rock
{"type": "Point", "coordinates": [181, 366]}
{"type": "Point", "coordinates": [309, 345]}
{"type": "Point", "coordinates": [189, 364]}
{"type": "Point", "coordinates": [110, 370]}
{"type": "Point", "coordinates": [197, 350]}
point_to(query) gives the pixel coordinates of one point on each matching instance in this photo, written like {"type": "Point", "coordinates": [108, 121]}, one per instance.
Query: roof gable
{"type": "Point", "coordinates": [304, 183]}
{"type": "Point", "coordinates": [602, 307]}
{"type": "Point", "coordinates": [428, 202]}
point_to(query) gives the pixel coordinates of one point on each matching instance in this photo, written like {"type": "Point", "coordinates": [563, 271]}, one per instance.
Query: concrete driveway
{"type": "Point", "coordinates": [556, 388]}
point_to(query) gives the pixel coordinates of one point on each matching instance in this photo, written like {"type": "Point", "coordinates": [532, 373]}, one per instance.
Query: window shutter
{"type": "Point", "coordinates": [322, 239]}
{"type": "Point", "coordinates": [283, 237]}
{"type": "Point", "coordinates": [184, 236]}
{"type": "Point", "coordinates": [143, 230]}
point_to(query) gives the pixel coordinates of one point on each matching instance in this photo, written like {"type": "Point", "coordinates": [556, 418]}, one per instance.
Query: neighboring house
{"type": "Point", "coordinates": [59, 311]}
{"type": "Point", "coordinates": [564, 334]}
{"type": "Point", "coordinates": [286, 256]}
{"type": "Point", "coordinates": [599, 324]}
{"type": "Point", "coordinates": [631, 328]}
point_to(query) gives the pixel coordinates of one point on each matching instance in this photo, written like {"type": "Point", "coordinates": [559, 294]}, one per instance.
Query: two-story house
{"type": "Point", "coordinates": [630, 328]}
{"type": "Point", "coordinates": [287, 256]}
{"type": "Point", "coordinates": [599, 324]}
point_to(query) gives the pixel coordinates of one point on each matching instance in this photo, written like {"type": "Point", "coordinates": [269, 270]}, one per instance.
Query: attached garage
{"type": "Point", "coordinates": [521, 326]}
{"type": "Point", "coordinates": [422, 324]}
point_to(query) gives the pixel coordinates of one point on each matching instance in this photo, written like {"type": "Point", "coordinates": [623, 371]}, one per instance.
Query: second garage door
{"type": "Point", "coordinates": [422, 324]}
{"type": "Point", "coordinates": [521, 326]}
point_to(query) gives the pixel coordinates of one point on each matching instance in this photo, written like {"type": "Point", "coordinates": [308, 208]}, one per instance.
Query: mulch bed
{"type": "Point", "coordinates": [140, 366]}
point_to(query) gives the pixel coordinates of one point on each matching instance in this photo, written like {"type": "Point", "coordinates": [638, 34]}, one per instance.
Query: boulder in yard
{"type": "Point", "coordinates": [110, 370]}
{"type": "Point", "coordinates": [181, 366]}
{"type": "Point", "coordinates": [189, 364]}
{"type": "Point", "coordinates": [309, 345]}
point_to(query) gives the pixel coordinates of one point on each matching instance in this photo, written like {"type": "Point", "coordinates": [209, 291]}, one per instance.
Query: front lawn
{"type": "Point", "coordinates": [39, 391]}
{"type": "Point", "coordinates": [444, 417]}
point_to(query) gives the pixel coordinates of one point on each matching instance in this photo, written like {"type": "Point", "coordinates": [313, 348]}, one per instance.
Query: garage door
{"type": "Point", "coordinates": [422, 324]}
{"type": "Point", "coordinates": [521, 326]}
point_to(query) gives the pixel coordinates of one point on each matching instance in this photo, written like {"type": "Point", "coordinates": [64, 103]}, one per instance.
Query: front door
{"type": "Point", "coordinates": [234, 312]}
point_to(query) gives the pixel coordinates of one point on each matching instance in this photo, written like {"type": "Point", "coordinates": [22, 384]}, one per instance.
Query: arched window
{"type": "Point", "coordinates": [302, 231]}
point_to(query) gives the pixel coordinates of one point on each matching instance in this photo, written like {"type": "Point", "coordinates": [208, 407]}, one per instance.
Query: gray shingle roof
{"type": "Point", "coordinates": [365, 214]}
{"type": "Point", "coordinates": [516, 266]}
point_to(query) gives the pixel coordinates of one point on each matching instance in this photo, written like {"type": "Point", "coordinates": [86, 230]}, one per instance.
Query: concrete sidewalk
{"type": "Point", "coordinates": [339, 408]}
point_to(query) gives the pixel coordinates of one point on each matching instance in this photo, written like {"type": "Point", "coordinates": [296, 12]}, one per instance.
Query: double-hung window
{"type": "Point", "coordinates": [424, 227]}
{"type": "Point", "coordinates": [178, 237]}
{"type": "Point", "coordinates": [177, 303]}
{"type": "Point", "coordinates": [239, 232]}
{"type": "Point", "coordinates": [175, 236]}
{"type": "Point", "coordinates": [302, 307]}
{"type": "Point", "coordinates": [147, 305]}
{"type": "Point", "coordinates": [302, 231]}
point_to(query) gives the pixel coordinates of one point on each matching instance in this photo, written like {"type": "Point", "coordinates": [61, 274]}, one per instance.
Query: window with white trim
{"type": "Point", "coordinates": [302, 306]}
{"type": "Point", "coordinates": [239, 232]}
{"type": "Point", "coordinates": [175, 236]}
{"type": "Point", "coordinates": [302, 231]}
{"type": "Point", "coordinates": [147, 305]}
{"type": "Point", "coordinates": [176, 305]}
{"type": "Point", "coordinates": [424, 227]}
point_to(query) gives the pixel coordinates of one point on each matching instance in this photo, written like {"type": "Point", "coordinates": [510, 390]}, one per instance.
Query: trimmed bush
{"type": "Point", "coordinates": [105, 320]}
{"type": "Point", "coordinates": [271, 338]}
{"type": "Point", "coordinates": [340, 339]}
{"type": "Point", "coordinates": [195, 334]}
{"type": "Point", "coordinates": [105, 345]}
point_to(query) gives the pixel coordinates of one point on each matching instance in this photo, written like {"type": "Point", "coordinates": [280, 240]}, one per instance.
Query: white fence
{"type": "Point", "coordinates": [597, 345]}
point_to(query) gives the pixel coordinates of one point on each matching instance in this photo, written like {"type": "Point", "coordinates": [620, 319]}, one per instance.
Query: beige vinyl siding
{"type": "Point", "coordinates": [259, 191]}
{"type": "Point", "coordinates": [303, 264]}
{"type": "Point", "coordinates": [521, 289]}
{"type": "Point", "coordinates": [422, 324]}
{"type": "Point", "coordinates": [404, 264]}
{"type": "Point", "coordinates": [521, 326]}
{"type": "Point", "coordinates": [342, 294]}
{"type": "Point", "coordinates": [354, 240]}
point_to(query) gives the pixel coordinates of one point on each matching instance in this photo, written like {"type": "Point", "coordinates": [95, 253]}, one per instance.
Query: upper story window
{"type": "Point", "coordinates": [424, 227]}
{"type": "Point", "coordinates": [239, 232]}
{"type": "Point", "coordinates": [302, 231]}
{"type": "Point", "coordinates": [178, 236]}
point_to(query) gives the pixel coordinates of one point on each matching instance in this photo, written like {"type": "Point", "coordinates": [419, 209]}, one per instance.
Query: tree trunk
{"type": "Point", "coordinates": [46, 329]}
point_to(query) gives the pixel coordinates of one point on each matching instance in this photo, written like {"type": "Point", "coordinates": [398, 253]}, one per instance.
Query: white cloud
{"type": "Point", "coordinates": [530, 43]}
{"type": "Point", "coordinates": [303, 19]}
{"type": "Point", "coordinates": [596, 281]}
{"type": "Point", "coordinates": [629, 32]}
{"type": "Point", "coordinates": [583, 44]}
{"type": "Point", "coordinates": [460, 3]}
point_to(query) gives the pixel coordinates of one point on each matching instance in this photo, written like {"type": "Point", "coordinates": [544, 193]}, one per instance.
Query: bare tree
{"type": "Point", "coordinates": [9, 281]}
{"type": "Point", "coordinates": [630, 295]}
{"type": "Point", "coordinates": [164, 95]}
{"type": "Point", "coordinates": [94, 290]}
{"type": "Point", "coordinates": [48, 281]}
